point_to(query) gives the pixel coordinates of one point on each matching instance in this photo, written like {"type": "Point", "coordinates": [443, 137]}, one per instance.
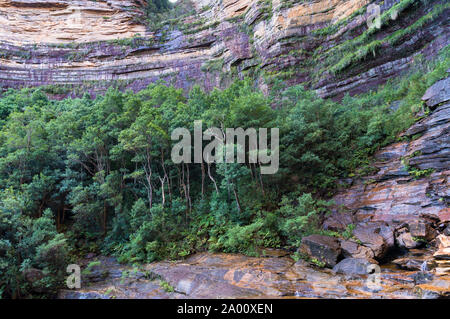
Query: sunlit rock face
{"type": "Point", "coordinates": [64, 21]}
{"type": "Point", "coordinates": [90, 45]}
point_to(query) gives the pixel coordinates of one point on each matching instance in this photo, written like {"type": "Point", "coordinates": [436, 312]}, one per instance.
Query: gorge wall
{"type": "Point", "coordinates": [74, 47]}
{"type": "Point", "coordinates": [411, 177]}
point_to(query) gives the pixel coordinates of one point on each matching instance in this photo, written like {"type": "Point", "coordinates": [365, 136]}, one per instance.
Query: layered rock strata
{"type": "Point", "coordinates": [412, 176]}
{"type": "Point", "coordinates": [94, 44]}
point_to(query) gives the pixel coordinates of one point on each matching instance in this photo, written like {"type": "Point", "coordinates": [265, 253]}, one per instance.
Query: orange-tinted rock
{"type": "Point", "coordinates": [352, 249]}
{"type": "Point", "coordinates": [443, 251]}
{"type": "Point", "coordinates": [377, 236]}
{"type": "Point", "coordinates": [208, 275]}
{"type": "Point", "coordinates": [396, 196]}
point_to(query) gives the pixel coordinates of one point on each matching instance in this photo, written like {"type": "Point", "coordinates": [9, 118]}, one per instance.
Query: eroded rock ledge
{"type": "Point", "coordinates": [94, 44]}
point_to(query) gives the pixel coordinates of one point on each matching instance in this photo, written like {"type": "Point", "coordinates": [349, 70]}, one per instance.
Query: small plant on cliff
{"type": "Point", "coordinates": [318, 263]}
{"type": "Point", "coordinates": [166, 286]}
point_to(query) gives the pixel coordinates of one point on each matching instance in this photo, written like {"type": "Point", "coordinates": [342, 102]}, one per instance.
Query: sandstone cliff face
{"type": "Point", "coordinates": [92, 44]}
{"type": "Point", "coordinates": [412, 176]}
{"type": "Point", "coordinates": [63, 21]}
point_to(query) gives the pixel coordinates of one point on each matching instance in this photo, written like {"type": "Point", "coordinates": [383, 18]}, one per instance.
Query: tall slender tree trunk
{"type": "Point", "coordinates": [236, 197]}
{"type": "Point", "coordinates": [104, 218]}
{"type": "Point", "coordinates": [212, 178]}
{"type": "Point", "coordinates": [162, 180]}
{"type": "Point", "coordinates": [261, 181]}
{"type": "Point", "coordinates": [203, 179]}
{"type": "Point", "coordinates": [189, 188]}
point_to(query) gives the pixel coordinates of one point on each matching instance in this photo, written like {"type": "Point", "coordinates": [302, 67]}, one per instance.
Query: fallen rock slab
{"type": "Point", "coordinates": [323, 248]}
{"type": "Point", "coordinates": [378, 236]}
{"type": "Point", "coordinates": [352, 249]}
{"type": "Point", "coordinates": [406, 240]}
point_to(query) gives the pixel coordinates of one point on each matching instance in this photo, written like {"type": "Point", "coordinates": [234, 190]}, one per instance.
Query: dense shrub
{"type": "Point", "coordinates": [33, 256]}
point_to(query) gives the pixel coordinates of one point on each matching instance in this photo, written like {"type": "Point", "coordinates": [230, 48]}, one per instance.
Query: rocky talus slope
{"type": "Point", "coordinates": [89, 45]}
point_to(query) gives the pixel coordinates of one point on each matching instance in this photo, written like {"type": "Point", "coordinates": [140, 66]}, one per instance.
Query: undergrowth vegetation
{"type": "Point", "coordinates": [84, 174]}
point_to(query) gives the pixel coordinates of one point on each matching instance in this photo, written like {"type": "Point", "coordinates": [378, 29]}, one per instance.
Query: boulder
{"type": "Point", "coordinates": [423, 230]}
{"type": "Point", "coordinates": [323, 248]}
{"type": "Point", "coordinates": [352, 249]}
{"type": "Point", "coordinates": [405, 240]}
{"type": "Point", "coordinates": [443, 244]}
{"type": "Point", "coordinates": [338, 221]}
{"type": "Point", "coordinates": [352, 266]}
{"type": "Point", "coordinates": [379, 237]}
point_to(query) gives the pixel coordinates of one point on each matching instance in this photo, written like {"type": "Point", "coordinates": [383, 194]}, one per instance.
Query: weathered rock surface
{"type": "Point", "coordinates": [338, 221]}
{"type": "Point", "coordinates": [323, 248]}
{"type": "Point", "coordinates": [353, 249]}
{"type": "Point", "coordinates": [418, 261]}
{"type": "Point", "coordinates": [405, 240]}
{"type": "Point", "coordinates": [65, 21]}
{"type": "Point", "coordinates": [89, 45]}
{"type": "Point", "coordinates": [398, 208]}
{"type": "Point", "coordinates": [275, 276]}
{"type": "Point", "coordinates": [438, 93]}
{"type": "Point", "coordinates": [443, 252]}
{"type": "Point", "coordinates": [352, 266]}
{"type": "Point", "coordinates": [420, 229]}
{"type": "Point", "coordinates": [377, 236]}
{"type": "Point", "coordinates": [394, 194]}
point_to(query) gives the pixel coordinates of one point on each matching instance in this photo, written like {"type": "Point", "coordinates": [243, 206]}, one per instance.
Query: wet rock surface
{"type": "Point", "coordinates": [208, 275]}
{"type": "Point", "coordinates": [352, 266]}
